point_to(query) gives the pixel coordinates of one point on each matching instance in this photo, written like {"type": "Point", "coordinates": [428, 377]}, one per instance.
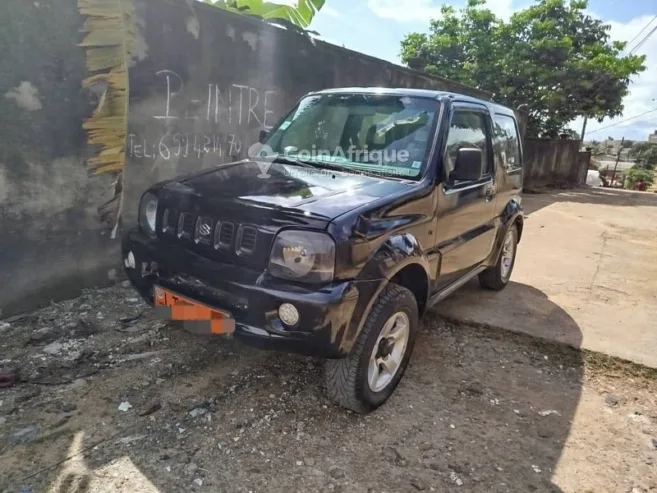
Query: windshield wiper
{"type": "Point", "coordinates": [356, 168]}
{"type": "Point", "coordinates": [333, 167]}
{"type": "Point", "coordinates": [298, 162]}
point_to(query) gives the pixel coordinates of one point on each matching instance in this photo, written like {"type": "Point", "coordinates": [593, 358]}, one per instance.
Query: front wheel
{"type": "Point", "coordinates": [497, 276]}
{"type": "Point", "coordinates": [368, 376]}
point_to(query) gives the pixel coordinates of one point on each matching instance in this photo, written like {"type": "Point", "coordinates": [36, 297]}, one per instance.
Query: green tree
{"type": "Point", "coordinates": [569, 133]}
{"type": "Point", "coordinates": [552, 56]}
{"type": "Point", "coordinates": [634, 174]}
{"type": "Point", "coordinates": [644, 154]}
{"type": "Point", "coordinates": [298, 15]}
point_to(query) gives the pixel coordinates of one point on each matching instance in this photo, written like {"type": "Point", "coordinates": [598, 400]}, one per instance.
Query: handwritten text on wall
{"type": "Point", "coordinates": [243, 104]}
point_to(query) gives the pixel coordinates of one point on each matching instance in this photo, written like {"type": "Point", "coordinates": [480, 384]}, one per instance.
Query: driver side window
{"type": "Point", "coordinates": [467, 129]}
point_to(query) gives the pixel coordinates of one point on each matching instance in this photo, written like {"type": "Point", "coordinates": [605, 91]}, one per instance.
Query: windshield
{"type": "Point", "coordinates": [382, 134]}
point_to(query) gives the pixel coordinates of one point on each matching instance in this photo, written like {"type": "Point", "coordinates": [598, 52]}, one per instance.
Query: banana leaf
{"type": "Point", "coordinates": [300, 15]}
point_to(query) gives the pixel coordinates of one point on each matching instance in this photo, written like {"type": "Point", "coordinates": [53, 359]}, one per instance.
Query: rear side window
{"type": "Point", "coordinates": [508, 144]}
{"type": "Point", "coordinates": [468, 129]}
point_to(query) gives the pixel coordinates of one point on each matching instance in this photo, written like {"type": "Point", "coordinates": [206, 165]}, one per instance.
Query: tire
{"type": "Point", "coordinates": [347, 379]}
{"type": "Point", "coordinates": [497, 277]}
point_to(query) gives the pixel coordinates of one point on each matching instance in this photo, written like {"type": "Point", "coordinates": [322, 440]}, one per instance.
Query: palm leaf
{"type": "Point", "coordinates": [103, 58]}
{"type": "Point", "coordinates": [109, 37]}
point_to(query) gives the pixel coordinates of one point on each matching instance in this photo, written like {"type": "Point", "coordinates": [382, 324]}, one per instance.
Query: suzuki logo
{"type": "Point", "coordinates": [204, 229]}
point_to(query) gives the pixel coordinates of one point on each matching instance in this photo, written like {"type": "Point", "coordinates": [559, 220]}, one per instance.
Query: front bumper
{"type": "Point", "coordinates": [326, 321]}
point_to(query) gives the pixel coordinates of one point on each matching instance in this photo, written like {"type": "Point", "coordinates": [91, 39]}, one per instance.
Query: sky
{"type": "Point", "coordinates": [376, 27]}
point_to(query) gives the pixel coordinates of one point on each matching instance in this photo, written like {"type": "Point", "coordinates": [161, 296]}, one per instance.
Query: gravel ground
{"type": "Point", "coordinates": [103, 403]}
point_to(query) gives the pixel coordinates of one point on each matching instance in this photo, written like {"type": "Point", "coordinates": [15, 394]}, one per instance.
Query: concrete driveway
{"type": "Point", "coordinates": [585, 275]}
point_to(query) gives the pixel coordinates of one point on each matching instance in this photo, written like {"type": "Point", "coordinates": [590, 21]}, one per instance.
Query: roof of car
{"type": "Point", "coordinates": [419, 93]}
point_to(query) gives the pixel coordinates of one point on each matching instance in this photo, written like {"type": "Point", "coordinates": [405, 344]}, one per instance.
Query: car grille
{"type": "Point", "coordinates": [246, 239]}
{"type": "Point", "coordinates": [224, 235]}
{"type": "Point", "coordinates": [211, 232]}
{"type": "Point", "coordinates": [185, 225]}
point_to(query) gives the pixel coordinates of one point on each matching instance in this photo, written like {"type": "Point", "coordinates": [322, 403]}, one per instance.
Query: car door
{"type": "Point", "coordinates": [466, 209]}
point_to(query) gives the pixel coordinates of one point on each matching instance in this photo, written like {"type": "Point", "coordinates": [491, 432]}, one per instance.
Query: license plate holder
{"type": "Point", "coordinates": [195, 316]}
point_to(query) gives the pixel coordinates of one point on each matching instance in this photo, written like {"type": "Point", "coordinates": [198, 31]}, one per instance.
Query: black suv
{"type": "Point", "coordinates": [361, 209]}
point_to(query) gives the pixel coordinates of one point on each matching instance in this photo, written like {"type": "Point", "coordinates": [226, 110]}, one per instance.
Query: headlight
{"type": "Point", "coordinates": [148, 212]}
{"type": "Point", "coordinates": [305, 256]}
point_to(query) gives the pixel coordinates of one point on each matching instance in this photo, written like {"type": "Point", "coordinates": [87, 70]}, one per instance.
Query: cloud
{"type": "Point", "coordinates": [643, 88]}
{"type": "Point", "coordinates": [405, 10]}
{"type": "Point", "coordinates": [423, 10]}
{"type": "Point", "coordinates": [331, 12]}
{"type": "Point", "coordinates": [501, 8]}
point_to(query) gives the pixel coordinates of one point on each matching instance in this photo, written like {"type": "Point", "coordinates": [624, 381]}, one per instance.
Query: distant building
{"type": "Point", "coordinates": [652, 138]}
{"type": "Point", "coordinates": [606, 167]}
{"type": "Point", "coordinates": [610, 147]}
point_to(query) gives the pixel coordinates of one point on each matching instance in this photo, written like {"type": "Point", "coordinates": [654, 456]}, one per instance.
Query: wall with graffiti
{"type": "Point", "coordinates": [207, 81]}
{"type": "Point", "coordinates": [98, 103]}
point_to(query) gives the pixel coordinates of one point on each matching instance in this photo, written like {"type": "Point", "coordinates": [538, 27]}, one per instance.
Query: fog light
{"type": "Point", "coordinates": [130, 261]}
{"type": "Point", "coordinates": [288, 314]}
{"type": "Point", "coordinates": [159, 293]}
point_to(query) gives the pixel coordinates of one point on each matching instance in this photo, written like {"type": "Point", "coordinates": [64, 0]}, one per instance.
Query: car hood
{"type": "Point", "coordinates": [287, 189]}
{"type": "Point", "coordinates": [214, 211]}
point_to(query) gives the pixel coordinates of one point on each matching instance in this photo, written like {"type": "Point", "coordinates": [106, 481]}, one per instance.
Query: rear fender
{"type": "Point", "coordinates": [512, 214]}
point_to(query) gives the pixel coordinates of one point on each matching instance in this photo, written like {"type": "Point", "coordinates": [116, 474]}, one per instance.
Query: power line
{"type": "Point", "coordinates": [641, 32]}
{"type": "Point", "coordinates": [622, 121]}
{"type": "Point", "coordinates": [643, 41]}
{"type": "Point", "coordinates": [599, 78]}
{"type": "Point", "coordinates": [636, 47]}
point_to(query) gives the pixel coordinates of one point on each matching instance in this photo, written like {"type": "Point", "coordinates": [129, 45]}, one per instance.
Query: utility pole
{"type": "Point", "coordinates": [613, 177]}
{"type": "Point", "coordinates": [584, 129]}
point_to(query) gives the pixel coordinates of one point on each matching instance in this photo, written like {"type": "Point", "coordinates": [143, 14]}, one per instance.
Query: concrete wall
{"type": "Point", "coordinates": [203, 83]}
{"type": "Point", "coordinates": [51, 241]}
{"type": "Point", "coordinates": [554, 162]}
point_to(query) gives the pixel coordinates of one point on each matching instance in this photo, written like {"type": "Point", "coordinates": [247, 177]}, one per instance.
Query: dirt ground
{"type": "Point", "coordinates": [585, 274]}
{"type": "Point", "coordinates": [103, 403]}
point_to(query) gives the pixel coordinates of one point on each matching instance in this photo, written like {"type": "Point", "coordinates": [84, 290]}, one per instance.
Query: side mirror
{"type": "Point", "coordinates": [469, 165]}
{"type": "Point", "coordinates": [263, 136]}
